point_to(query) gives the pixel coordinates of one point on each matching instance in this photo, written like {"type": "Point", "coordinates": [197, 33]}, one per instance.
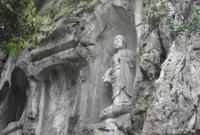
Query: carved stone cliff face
{"type": "Point", "coordinates": [53, 89]}
{"type": "Point", "coordinates": [57, 88]}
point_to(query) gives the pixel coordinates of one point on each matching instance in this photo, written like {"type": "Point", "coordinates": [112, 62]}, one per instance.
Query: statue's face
{"type": "Point", "coordinates": [118, 43]}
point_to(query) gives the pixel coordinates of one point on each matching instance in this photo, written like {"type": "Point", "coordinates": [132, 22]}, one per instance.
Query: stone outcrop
{"type": "Point", "coordinates": [175, 102]}
{"type": "Point", "coordinates": [57, 88]}
{"type": "Point", "coordinates": [175, 107]}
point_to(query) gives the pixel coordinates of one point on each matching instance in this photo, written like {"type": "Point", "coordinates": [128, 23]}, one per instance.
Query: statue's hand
{"type": "Point", "coordinates": [106, 76]}
{"type": "Point", "coordinates": [122, 87]}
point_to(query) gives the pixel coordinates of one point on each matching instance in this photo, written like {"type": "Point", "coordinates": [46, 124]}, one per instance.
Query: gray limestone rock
{"type": "Point", "coordinates": [59, 84]}
{"type": "Point", "coordinates": [13, 128]}
{"type": "Point", "coordinates": [114, 126]}
{"type": "Point", "coordinates": [57, 88]}
{"type": "Point", "coordinates": [175, 107]}
{"type": "Point", "coordinates": [115, 110]}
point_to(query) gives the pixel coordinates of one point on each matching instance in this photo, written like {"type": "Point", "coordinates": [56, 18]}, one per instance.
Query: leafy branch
{"type": "Point", "coordinates": [187, 28]}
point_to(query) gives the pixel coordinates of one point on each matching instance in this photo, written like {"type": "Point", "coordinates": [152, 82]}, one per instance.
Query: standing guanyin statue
{"type": "Point", "coordinates": [121, 76]}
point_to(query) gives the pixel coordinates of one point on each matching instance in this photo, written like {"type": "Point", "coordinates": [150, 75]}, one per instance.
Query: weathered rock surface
{"type": "Point", "coordinates": [115, 110]}
{"type": "Point", "coordinates": [174, 110]}
{"type": "Point", "coordinates": [57, 88]}
{"type": "Point", "coordinates": [118, 126]}
{"type": "Point", "coordinates": [175, 107]}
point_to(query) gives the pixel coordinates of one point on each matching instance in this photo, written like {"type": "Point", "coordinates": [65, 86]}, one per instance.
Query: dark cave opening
{"type": "Point", "coordinates": [17, 98]}
{"type": "Point", "coordinates": [4, 91]}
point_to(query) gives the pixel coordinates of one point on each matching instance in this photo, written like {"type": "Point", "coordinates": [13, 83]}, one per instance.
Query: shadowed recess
{"type": "Point", "coordinates": [17, 98]}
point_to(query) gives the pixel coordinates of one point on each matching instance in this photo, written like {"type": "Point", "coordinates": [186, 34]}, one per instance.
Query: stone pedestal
{"type": "Point", "coordinates": [114, 111]}
{"type": "Point", "coordinates": [114, 126]}
{"type": "Point", "coordinates": [18, 132]}
{"type": "Point", "coordinates": [14, 128]}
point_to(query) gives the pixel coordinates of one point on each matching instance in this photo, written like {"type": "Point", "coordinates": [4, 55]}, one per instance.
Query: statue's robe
{"type": "Point", "coordinates": [123, 74]}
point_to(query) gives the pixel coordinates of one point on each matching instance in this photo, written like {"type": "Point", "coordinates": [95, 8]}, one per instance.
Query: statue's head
{"type": "Point", "coordinates": [119, 42]}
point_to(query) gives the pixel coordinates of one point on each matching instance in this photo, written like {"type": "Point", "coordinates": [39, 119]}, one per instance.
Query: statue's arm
{"type": "Point", "coordinates": [131, 55]}
{"type": "Point", "coordinates": [131, 59]}
{"type": "Point", "coordinates": [107, 76]}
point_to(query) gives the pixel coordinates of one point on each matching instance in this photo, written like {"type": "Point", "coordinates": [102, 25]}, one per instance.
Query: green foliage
{"type": "Point", "coordinates": [87, 6]}
{"type": "Point", "coordinates": [170, 22]}
{"type": "Point", "coordinates": [20, 26]}
{"type": "Point", "coordinates": [16, 45]}
{"type": "Point", "coordinates": [64, 12]}
{"type": "Point", "coordinates": [140, 51]}
{"type": "Point", "coordinates": [187, 28]}
{"type": "Point", "coordinates": [75, 2]}
{"type": "Point", "coordinates": [49, 9]}
{"type": "Point", "coordinates": [45, 31]}
{"type": "Point", "coordinates": [155, 13]}
{"type": "Point", "coordinates": [17, 19]}
{"type": "Point", "coordinates": [18, 23]}
{"type": "Point", "coordinates": [70, 6]}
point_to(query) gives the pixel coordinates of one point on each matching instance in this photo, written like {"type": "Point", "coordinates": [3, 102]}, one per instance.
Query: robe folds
{"type": "Point", "coordinates": [123, 74]}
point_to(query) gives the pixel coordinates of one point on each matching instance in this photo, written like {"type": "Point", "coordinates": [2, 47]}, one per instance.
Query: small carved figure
{"type": "Point", "coordinates": [122, 72]}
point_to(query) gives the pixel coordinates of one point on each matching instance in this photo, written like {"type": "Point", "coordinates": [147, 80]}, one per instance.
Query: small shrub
{"type": "Point", "coordinates": [16, 19]}
{"type": "Point", "coordinates": [16, 45]}
{"type": "Point", "coordinates": [191, 26]}
{"type": "Point", "coordinates": [155, 13]}
{"type": "Point", "coordinates": [140, 51]}
{"type": "Point", "coordinates": [170, 22]}
{"type": "Point", "coordinates": [18, 23]}
{"type": "Point", "coordinates": [64, 12]}
{"type": "Point", "coordinates": [48, 9]}
{"type": "Point", "coordinates": [87, 6]}
{"type": "Point", "coordinates": [186, 28]}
